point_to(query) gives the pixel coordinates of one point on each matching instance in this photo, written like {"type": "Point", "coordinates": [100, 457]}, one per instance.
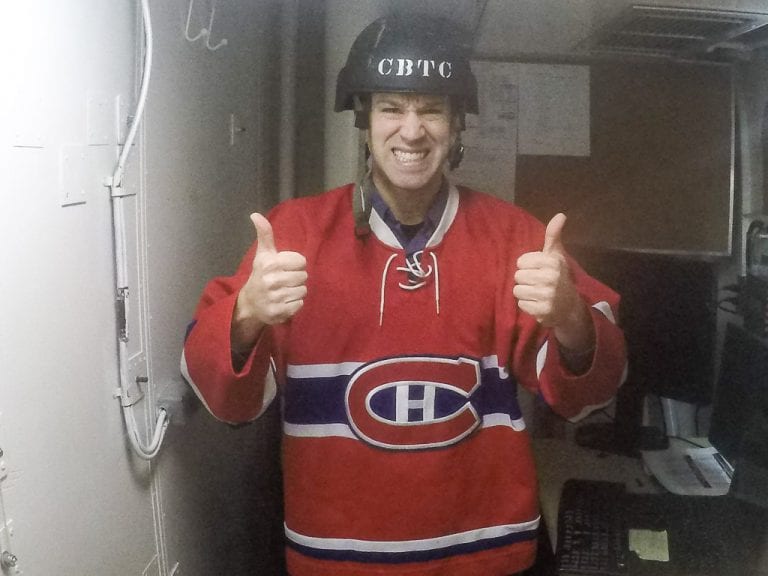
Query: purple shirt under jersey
{"type": "Point", "coordinates": [412, 242]}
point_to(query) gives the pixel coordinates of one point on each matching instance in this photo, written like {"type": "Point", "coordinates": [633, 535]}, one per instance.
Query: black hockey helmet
{"type": "Point", "coordinates": [408, 53]}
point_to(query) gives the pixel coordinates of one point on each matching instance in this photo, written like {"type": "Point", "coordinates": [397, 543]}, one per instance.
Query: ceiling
{"type": "Point", "coordinates": [681, 29]}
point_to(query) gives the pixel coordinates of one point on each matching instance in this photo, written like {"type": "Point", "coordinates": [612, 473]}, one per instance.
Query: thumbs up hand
{"type": "Point", "coordinates": [275, 290]}
{"type": "Point", "coordinates": [545, 290]}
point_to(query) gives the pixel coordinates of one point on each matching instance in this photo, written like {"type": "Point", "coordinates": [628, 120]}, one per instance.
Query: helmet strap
{"type": "Point", "coordinates": [361, 120]}
{"type": "Point", "coordinates": [362, 112]}
{"type": "Point", "coordinates": [455, 154]}
{"type": "Point", "coordinates": [362, 205]}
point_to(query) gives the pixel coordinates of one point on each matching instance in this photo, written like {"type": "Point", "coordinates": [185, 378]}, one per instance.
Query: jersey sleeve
{"type": "Point", "coordinates": [233, 394]}
{"type": "Point", "coordinates": [238, 391]}
{"type": "Point", "coordinates": [538, 364]}
{"type": "Point", "coordinates": [571, 395]}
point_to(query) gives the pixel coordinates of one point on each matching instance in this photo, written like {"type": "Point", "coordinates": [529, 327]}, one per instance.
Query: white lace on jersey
{"type": "Point", "coordinates": [417, 274]}
{"type": "Point", "coordinates": [417, 277]}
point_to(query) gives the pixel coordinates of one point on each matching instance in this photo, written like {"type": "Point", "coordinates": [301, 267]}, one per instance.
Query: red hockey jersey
{"type": "Point", "coordinates": [404, 448]}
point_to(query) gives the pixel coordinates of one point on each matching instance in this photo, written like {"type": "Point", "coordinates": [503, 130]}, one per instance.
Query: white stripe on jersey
{"type": "Point", "coordinates": [490, 362]}
{"type": "Point", "coordinates": [489, 420]}
{"type": "Point", "coordinates": [318, 430]}
{"type": "Point", "coordinates": [541, 358]}
{"type": "Point", "coordinates": [347, 368]}
{"type": "Point", "coordinates": [410, 545]}
{"type": "Point", "coordinates": [321, 370]}
{"type": "Point", "coordinates": [344, 431]}
{"type": "Point", "coordinates": [605, 309]}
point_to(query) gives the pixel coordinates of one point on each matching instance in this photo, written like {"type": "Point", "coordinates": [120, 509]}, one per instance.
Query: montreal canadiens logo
{"type": "Point", "coordinates": [413, 403]}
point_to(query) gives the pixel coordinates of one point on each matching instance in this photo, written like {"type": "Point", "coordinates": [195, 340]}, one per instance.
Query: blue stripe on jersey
{"type": "Point", "coordinates": [373, 557]}
{"type": "Point", "coordinates": [309, 400]}
{"type": "Point", "coordinates": [189, 329]}
{"type": "Point", "coordinates": [496, 395]}
{"type": "Point", "coordinates": [315, 400]}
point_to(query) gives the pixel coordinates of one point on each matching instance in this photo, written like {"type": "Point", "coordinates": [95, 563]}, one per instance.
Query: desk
{"type": "Point", "coordinates": [744, 528]}
{"type": "Point", "coordinates": [558, 460]}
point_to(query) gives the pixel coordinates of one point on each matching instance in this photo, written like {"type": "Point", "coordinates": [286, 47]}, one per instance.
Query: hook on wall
{"type": "Point", "coordinates": [204, 32]}
{"type": "Point", "coordinates": [223, 41]}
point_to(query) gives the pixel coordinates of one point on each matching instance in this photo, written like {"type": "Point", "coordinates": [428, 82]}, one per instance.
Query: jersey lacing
{"type": "Point", "coordinates": [417, 277]}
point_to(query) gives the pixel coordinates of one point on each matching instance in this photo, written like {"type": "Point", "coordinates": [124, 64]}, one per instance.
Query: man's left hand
{"type": "Point", "coordinates": [545, 290]}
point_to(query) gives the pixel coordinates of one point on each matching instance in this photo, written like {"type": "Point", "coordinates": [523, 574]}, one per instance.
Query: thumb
{"type": "Point", "coordinates": [264, 235]}
{"type": "Point", "coordinates": [553, 237]}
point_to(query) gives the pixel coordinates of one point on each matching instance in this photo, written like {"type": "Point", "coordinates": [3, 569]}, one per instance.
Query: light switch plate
{"type": "Point", "coordinates": [73, 175]}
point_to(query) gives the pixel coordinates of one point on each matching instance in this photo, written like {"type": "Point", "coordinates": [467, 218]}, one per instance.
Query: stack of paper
{"type": "Point", "coordinates": [689, 470]}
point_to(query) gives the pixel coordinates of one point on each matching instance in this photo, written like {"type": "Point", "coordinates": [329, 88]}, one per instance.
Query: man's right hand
{"type": "Point", "coordinates": [274, 292]}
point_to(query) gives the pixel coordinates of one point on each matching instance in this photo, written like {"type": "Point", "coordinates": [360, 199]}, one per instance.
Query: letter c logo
{"type": "Point", "coordinates": [413, 403]}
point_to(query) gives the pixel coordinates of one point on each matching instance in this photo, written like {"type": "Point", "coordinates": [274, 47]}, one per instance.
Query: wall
{"type": "Point", "coordinates": [220, 486]}
{"type": "Point", "coordinates": [70, 476]}
{"type": "Point", "coordinates": [343, 146]}
{"type": "Point", "coordinates": [77, 499]}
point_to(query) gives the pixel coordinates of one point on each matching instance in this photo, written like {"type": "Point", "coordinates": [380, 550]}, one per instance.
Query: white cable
{"type": "Point", "coordinates": [144, 451]}
{"type": "Point", "coordinates": [117, 176]}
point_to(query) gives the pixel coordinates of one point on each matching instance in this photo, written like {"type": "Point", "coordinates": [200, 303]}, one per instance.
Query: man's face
{"type": "Point", "coordinates": [410, 136]}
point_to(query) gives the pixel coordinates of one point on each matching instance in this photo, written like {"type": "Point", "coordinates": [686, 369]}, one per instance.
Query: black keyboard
{"type": "Point", "coordinates": [592, 537]}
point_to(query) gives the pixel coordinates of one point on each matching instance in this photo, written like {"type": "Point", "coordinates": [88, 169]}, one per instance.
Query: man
{"type": "Point", "coordinates": [395, 319]}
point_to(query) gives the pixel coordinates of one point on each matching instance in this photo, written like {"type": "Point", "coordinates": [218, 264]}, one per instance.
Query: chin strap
{"type": "Point", "coordinates": [362, 206]}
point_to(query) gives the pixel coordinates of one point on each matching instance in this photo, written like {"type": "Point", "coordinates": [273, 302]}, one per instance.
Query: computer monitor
{"type": "Point", "coordinates": [668, 313]}
{"type": "Point", "coordinates": [741, 396]}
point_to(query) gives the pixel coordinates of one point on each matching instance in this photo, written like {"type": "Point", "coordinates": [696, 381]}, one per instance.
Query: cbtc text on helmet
{"type": "Point", "coordinates": [408, 67]}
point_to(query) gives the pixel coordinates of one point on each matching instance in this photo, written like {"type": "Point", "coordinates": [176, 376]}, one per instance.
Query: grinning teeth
{"type": "Point", "coordinates": [409, 156]}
